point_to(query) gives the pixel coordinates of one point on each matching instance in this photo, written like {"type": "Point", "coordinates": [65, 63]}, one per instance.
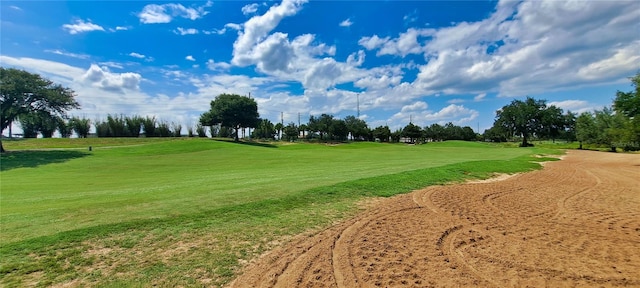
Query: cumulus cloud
{"type": "Point", "coordinates": [523, 48]}
{"type": "Point", "coordinates": [164, 13]}
{"type": "Point", "coordinates": [346, 23]}
{"type": "Point", "coordinates": [190, 58]}
{"type": "Point", "coordinates": [102, 78]}
{"type": "Point", "coordinates": [479, 97]}
{"type": "Point", "coordinates": [81, 26]}
{"type": "Point", "coordinates": [258, 27]}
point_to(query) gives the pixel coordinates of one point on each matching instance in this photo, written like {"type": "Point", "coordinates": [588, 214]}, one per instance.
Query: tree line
{"type": "Point", "coordinates": [614, 127]}
{"type": "Point", "coordinates": [40, 106]}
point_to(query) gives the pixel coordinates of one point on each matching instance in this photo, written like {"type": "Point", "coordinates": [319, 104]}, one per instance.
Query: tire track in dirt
{"type": "Point", "coordinates": [574, 223]}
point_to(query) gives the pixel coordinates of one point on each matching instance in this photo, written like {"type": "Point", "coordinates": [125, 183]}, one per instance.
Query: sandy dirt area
{"type": "Point", "coordinates": [574, 223]}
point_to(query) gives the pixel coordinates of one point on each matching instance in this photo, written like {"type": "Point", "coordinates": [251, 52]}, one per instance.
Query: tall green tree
{"type": "Point", "coordinates": [265, 130]}
{"type": "Point", "coordinates": [586, 131]}
{"type": "Point", "coordinates": [523, 118]}
{"type": "Point", "coordinates": [290, 132]}
{"type": "Point", "coordinates": [382, 132]}
{"type": "Point", "coordinates": [23, 93]}
{"type": "Point", "coordinates": [628, 104]}
{"type": "Point", "coordinates": [412, 131]}
{"type": "Point", "coordinates": [81, 126]}
{"type": "Point", "coordinates": [232, 111]}
{"type": "Point", "coordinates": [357, 127]}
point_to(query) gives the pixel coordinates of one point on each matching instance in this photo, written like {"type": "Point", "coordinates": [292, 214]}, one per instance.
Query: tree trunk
{"type": "Point", "coordinates": [580, 145]}
{"type": "Point", "coordinates": [1, 147]}
{"type": "Point", "coordinates": [235, 138]}
{"type": "Point", "coordinates": [524, 141]}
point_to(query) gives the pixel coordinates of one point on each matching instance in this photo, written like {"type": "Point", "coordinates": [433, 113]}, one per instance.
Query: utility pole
{"type": "Point", "coordinates": [298, 119]}
{"type": "Point", "coordinates": [358, 99]}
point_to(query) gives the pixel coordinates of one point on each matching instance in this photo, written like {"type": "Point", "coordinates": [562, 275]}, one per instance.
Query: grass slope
{"type": "Point", "coordinates": [188, 212]}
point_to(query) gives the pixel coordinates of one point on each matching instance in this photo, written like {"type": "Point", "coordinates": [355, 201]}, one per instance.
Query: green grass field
{"type": "Point", "coordinates": [171, 212]}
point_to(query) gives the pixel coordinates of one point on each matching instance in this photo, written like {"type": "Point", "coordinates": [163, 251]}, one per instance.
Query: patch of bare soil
{"type": "Point", "coordinates": [574, 223]}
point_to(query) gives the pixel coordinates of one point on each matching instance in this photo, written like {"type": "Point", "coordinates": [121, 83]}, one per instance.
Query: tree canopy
{"type": "Point", "coordinates": [232, 111]}
{"type": "Point", "coordinates": [23, 93]}
{"type": "Point", "coordinates": [526, 118]}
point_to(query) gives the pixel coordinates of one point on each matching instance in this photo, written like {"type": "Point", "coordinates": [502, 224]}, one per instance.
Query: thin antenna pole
{"type": "Point", "coordinates": [358, 99]}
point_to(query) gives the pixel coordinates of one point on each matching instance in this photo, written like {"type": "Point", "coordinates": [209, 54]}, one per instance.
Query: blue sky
{"type": "Point", "coordinates": [421, 61]}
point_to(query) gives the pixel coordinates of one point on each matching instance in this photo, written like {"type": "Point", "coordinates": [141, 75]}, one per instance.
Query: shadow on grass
{"type": "Point", "coordinates": [31, 159]}
{"type": "Point", "coordinates": [250, 143]}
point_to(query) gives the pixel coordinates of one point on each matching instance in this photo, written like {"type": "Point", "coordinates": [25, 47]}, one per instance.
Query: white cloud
{"type": "Point", "coordinates": [164, 13]}
{"type": "Point", "coordinates": [346, 23]}
{"type": "Point", "coordinates": [256, 28]}
{"type": "Point", "coordinates": [524, 48]}
{"type": "Point", "coordinates": [112, 64]}
{"type": "Point", "coordinates": [69, 54]}
{"type": "Point", "coordinates": [212, 65]}
{"type": "Point", "coordinates": [182, 31]}
{"type": "Point", "coordinates": [373, 42]}
{"type": "Point", "coordinates": [575, 106]}
{"type": "Point", "coordinates": [81, 26]}
{"type": "Point", "coordinates": [15, 7]}
{"type": "Point", "coordinates": [137, 55]}
{"type": "Point", "coordinates": [190, 58]}
{"type": "Point", "coordinates": [250, 8]}
{"type": "Point", "coordinates": [121, 28]}
{"type": "Point", "coordinates": [101, 77]}
{"type": "Point", "coordinates": [479, 97]}
{"type": "Point", "coordinates": [141, 56]}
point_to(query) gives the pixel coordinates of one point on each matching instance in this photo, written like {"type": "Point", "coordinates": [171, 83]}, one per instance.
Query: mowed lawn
{"type": "Point", "coordinates": [190, 211]}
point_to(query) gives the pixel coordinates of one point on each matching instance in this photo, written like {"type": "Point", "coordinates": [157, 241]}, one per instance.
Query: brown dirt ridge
{"type": "Point", "coordinates": [574, 223]}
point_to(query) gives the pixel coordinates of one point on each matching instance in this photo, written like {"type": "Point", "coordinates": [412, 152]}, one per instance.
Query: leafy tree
{"type": "Point", "coordinates": [435, 132]}
{"type": "Point", "coordinates": [65, 128]}
{"type": "Point", "coordinates": [201, 131]}
{"type": "Point", "coordinates": [39, 122]}
{"type": "Point", "coordinates": [524, 118]}
{"type": "Point", "coordinates": [279, 128]}
{"type": "Point", "coordinates": [265, 130]}
{"type": "Point", "coordinates": [320, 124]}
{"type": "Point", "coordinates": [411, 131]}
{"type": "Point", "coordinates": [495, 134]}
{"type": "Point", "coordinates": [134, 124]}
{"type": "Point", "coordinates": [81, 126]}
{"type": "Point", "coordinates": [176, 129]}
{"type": "Point", "coordinates": [290, 132]}
{"type": "Point", "coordinates": [586, 130]}
{"type": "Point", "coordinates": [357, 127]}
{"type": "Point", "coordinates": [23, 93]}
{"type": "Point", "coordinates": [383, 133]}
{"type": "Point", "coordinates": [338, 130]}
{"type": "Point", "coordinates": [232, 111]}
{"type": "Point", "coordinates": [628, 104]}
{"type": "Point", "coordinates": [149, 126]}
{"type": "Point", "coordinates": [553, 122]}
{"type": "Point", "coordinates": [396, 135]}
{"type": "Point", "coordinates": [303, 128]}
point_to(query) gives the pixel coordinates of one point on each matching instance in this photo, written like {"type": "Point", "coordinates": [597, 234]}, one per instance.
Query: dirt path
{"type": "Point", "coordinates": [574, 223]}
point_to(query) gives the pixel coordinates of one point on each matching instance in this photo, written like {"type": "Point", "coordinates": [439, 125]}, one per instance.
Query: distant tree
{"type": "Point", "coordinates": [290, 132]}
{"type": "Point", "coordinates": [303, 128]}
{"type": "Point", "coordinates": [628, 105]}
{"type": "Point", "coordinates": [279, 128]}
{"type": "Point", "coordinates": [264, 130]}
{"type": "Point", "coordinates": [133, 124]}
{"type": "Point", "coordinates": [468, 134]}
{"type": "Point", "coordinates": [149, 126]}
{"type": "Point", "coordinates": [411, 131]}
{"type": "Point", "coordinates": [338, 130]}
{"type": "Point", "coordinates": [176, 128]}
{"type": "Point", "coordinates": [201, 131]}
{"type": "Point", "coordinates": [495, 134]}
{"type": "Point", "coordinates": [39, 122]}
{"type": "Point", "coordinates": [396, 135]}
{"type": "Point", "coordinates": [320, 124]}
{"type": "Point", "coordinates": [524, 118]}
{"type": "Point", "coordinates": [23, 93]}
{"type": "Point", "coordinates": [553, 123]}
{"type": "Point", "coordinates": [569, 132]}
{"type": "Point", "coordinates": [357, 127]}
{"type": "Point", "coordinates": [64, 127]}
{"type": "Point", "coordinates": [81, 126]}
{"type": "Point", "coordinates": [435, 132]}
{"type": "Point", "coordinates": [383, 133]}
{"type": "Point", "coordinates": [117, 125]}
{"type": "Point", "coordinates": [232, 111]}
